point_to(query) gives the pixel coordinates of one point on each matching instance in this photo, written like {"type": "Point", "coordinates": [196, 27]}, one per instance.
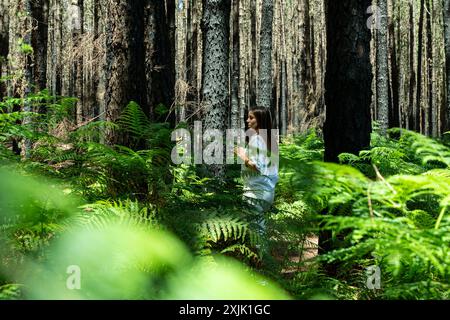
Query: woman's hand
{"type": "Point", "coordinates": [240, 152]}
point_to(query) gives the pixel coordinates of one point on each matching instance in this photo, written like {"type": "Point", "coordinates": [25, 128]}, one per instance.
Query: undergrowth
{"type": "Point", "coordinates": [386, 208]}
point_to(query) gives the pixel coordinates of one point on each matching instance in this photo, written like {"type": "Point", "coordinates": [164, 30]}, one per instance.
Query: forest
{"type": "Point", "coordinates": [98, 99]}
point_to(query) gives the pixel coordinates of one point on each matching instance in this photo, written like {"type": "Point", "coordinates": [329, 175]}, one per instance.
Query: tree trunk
{"type": "Point", "coordinates": [418, 113]}
{"type": "Point", "coordinates": [4, 43]}
{"type": "Point", "coordinates": [265, 57]}
{"type": "Point", "coordinates": [93, 100]}
{"type": "Point", "coordinates": [348, 86]}
{"type": "Point", "coordinates": [382, 69]}
{"type": "Point", "coordinates": [284, 112]}
{"type": "Point", "coordinates": [125, 74]}
{"type": "Point", "coordinates": [447, 63]}
{"type": "Point", "coordinates": [235, 102]}
{"type": "Point", "coordinates": [27, 107]}
{"type": "Point", "coordinates": [160, 58]}
{"type": "Point", "coordinates": [40, 10]}
{"type": "Point", "coordinates": [348, 78]}
{"type": "Point", "coordinates": [411, 123]}
{"type": "Point", "coordinates": [394, 118]}
{"type": "Point", "coordinates": [77, 21]}
{"type": "Point", "coordinates": [215, 28]}
{"type": "Point", "coordinates": [429, 127]}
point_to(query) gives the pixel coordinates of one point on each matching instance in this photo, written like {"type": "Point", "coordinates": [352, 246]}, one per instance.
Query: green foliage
{"type": "Point", "coordinates": [134, 121]}
{"type": "Point", "coordinates": [130, 213]}
{"type": "Point", "coordinates": [121, 255]}
{"type": "Point", "coordinates": [386, 207]}
{"type": "Point", "coordinates": [25, 48]}
{"type": "Point", "coordinates": [9, 292]}
{"type": "Point", "coordinates": [393, 216]}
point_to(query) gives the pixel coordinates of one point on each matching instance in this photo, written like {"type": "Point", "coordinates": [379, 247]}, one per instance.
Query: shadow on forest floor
{"type": "Point", "coordinates": [295, 261]}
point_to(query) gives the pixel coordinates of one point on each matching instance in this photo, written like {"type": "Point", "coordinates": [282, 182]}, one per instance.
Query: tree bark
{"type": "Point", "coordinates": [418, 114]}
{"type": "Point", "coordinates": [264, 98]}
{"type": "Point", "coordinates": [284, 111]}
{"type": "Point", "coordinates": [447, 63]}
{"type": "Point", "coordinates": [429, 126]}
{"type": "Point", "coordinates": [215, 28]}
{"type": "Point", "coordinates": [348, 82]}
{"type": "Point", "coordinates": [348, 79]}
{"type": "Point", "coordinates": [4, 43]}
{"type": "Point", "coordinates": [382, 69]}
{"type": "Point", "coordinates": [160, 58]}
{"type": "Point", "coordinates": [394, 39]}
{"type": "Point", "coordinates": [29, 69]}
{"type": "Point", "coordinates": [77, 21]}
{"type": "Point", "coordinates": [235, 102]}
{"type": "Point", "coordinates": [411, 124]}
{"type": "Point", "coordinates": [125, 74]}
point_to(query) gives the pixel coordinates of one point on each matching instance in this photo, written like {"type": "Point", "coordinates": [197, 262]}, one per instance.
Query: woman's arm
{"type": "Point", "coordinates": [240, 152]}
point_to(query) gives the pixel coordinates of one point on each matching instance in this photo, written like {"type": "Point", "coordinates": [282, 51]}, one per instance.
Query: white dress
{"type": "Point", "coordinates": [260, 185]}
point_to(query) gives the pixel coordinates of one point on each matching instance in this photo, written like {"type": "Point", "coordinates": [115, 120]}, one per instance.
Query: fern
{"type": "Point", "coordinates": [226, 227]}
{"type": "Point", "coordinates": [102, 214]}
{"type": "Point", "coordinates": [134, 121]}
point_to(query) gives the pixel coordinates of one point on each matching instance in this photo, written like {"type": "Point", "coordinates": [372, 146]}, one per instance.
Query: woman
{"type": "Point", "coordinates": [260, 171]}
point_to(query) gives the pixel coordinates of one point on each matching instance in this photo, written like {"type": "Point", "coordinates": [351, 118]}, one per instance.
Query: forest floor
{"type": "Point", "coordinates": [298, 261]}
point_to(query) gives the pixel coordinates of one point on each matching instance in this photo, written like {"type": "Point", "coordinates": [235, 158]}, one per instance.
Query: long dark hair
{"type": "Point", "coordinates": [264, 119]}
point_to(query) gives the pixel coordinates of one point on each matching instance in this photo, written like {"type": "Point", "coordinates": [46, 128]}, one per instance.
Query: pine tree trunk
{"type": "Point", "coordinates": [394, 118]}
{"type": "Point", "coordinates": [77, 21]}
{"type": "Point", "coordinates": [411, 124]}
{"type": "Point", "coordinates": [215, 28]}
{"type": "Point", "coordinates": [447, 63]}
{"type": "Point", "coordinates": [243, 54]}
{"type": "Point", "coordinates": [27, 86]}
{"type": "Point", "coordinates": [348, 79]}
{"type": "Point", "coordinates": [93, 100]}
{"type": "Point", "coordinates": [159, 53]}
{"type": "Point", "coordinates": [4, 43]}
{"type": "Point", "coordinates": [264, 98]}
{"type": "Point", "coordinates": [429, 107]}
{"type": "Point", "coordinates": [284, 112]}
{"type": "Point", "coordinates": [348, 82]}
{"type": "Point", "coordinates": [382, 69]}
{"type": "Point", "coordinates": [125, 74]}
{"type": "Point", "coordinates": [418, 111]}
{"type": "Point", "coordinates": [235, 102]}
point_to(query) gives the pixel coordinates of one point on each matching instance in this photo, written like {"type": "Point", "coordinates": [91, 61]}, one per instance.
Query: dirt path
{"type": "Point", "coordinates": [294, 262]}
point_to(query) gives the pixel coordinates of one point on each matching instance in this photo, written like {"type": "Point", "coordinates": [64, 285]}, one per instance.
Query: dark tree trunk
{"type": "Point", "coordinates": [347, 87]}
{"type": "Point", "coordinates": [125, 74]}
{"type": "Point", "coordinates": [40, 10]}
{"type": "Point", "coordinates": [394, 113]}
{"type": "Point", "coordinates": [348, 79]}
{"type": "Point", "coordinates": [160, 65]}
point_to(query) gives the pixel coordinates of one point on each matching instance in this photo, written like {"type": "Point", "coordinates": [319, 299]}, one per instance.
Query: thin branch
{"type": "Point", "coordinates": [379, 176]}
